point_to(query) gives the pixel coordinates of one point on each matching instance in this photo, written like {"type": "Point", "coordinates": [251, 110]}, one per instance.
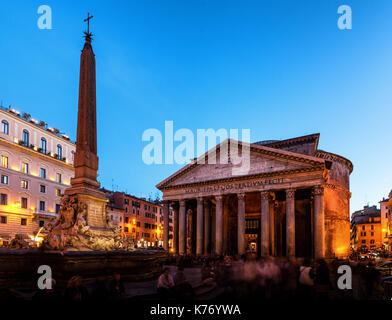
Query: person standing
{"type": "Point", "coordinates": [165, 284]}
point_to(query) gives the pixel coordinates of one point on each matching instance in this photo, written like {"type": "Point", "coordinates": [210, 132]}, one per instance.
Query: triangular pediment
{"type": "Point", "coordinates": [262, 160]}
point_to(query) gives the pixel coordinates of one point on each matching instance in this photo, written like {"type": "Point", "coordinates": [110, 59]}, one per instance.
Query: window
{"type": "Point", "coordinates": [125, 229]}
{"type": "Point", "coordinates": [372, 227]}
{"type": "Point", "coordinates": [58, 177]}
{"type": "Point", "coordinates": [126, 219]}
{"type": "Point", "coordinates": [42, 205]}
{"type": "Point", "coordinates": [363, 241]}
{"type": "Point", "coordinates": [363, 227]}
{"type": "Point", "coordinates": [23, 203]}
{"type": "Point", "coordinates": [42, 188]}
{"type": "Point", "coordinates": [3, 199]}
{"type": "Point", "coordinates": [371, 241]}
{"type": "Point", "coordinates": [372, 234]}
{"type": "Point", "coordinates": [24, 184]}
{"type": "Point", "coordinates": [59, 152]}
{"type": "Point", "coordinates": [3, 219]}
{"type": "Point", "coordinates": [4, 179]}
{"type": "Point", "coordinates": [23, 222]}
{"type": "Point", "coordinates": [42, 173]}
{"type": "Point", "coordinates": [57, 208]}
{"type": "Point", "coordinates": [5, 127]}
{"type": "Point", "coordinates": [58, 192]}
{"type": "Point", "coordinates": [26, 138]}
{"type": "Point", "coordinates": [43, 145]}
{"type": "Point", "coordinates": [4, 161]}
{"type": "Point", "coordinates": [25, 167]}
{"type": "Point", "coordinates": [41, 223]}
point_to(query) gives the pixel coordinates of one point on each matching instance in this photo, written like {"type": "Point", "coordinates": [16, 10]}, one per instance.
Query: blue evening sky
{"type": "Point", "coordinates": [280, 68]}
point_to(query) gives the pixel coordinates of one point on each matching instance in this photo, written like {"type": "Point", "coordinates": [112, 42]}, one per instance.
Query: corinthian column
{"type": "Point", "coordinates": [199, 226]}
{"type": "Point", "coordinates": [241, 223]}
{"type": "Point", "coordinates": [206, 226]}
{"type": "Point", "coordinates": [219, 225]}
{"type": "Point", "coordinates": [265, 212]}
{"type": "Point", "coordinates": [290, 223]}
{"type": "Point", "coordinates": [175, 231]}
{"type": "Point", "coordinates": [319, 222]}
{"type": "Point", "coordinates": [166, 225]}
{"type": "Point", "coordinates": [182, 227]}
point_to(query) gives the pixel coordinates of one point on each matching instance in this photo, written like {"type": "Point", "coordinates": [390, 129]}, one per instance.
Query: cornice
{"type": "Point", "coordinates": [35, 126]}
{"type": "Point", "coordinates": [334, 157]}
{"type": "Point", "coordinates": [295, 141]}
{"type": "Point", "coordinates": [36, 153]}
{"type": "Point", "coordinates": [244, 178]}
{"type": "Point", "coordinates": [264, 150]}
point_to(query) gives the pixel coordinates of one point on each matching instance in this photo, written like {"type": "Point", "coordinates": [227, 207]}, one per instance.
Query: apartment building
{"type": "Point", "coordinates": [142, 219]}
{"type": "Point", "coordinates": [36, 166]}
{"type": "Point", "coordinates": [366, 230]}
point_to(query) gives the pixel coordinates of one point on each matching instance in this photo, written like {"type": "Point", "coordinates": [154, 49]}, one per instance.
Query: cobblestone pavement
{"type": "Point", "coordinates": [193, 275]}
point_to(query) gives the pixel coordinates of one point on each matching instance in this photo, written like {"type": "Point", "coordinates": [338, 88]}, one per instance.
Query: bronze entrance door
{"type": "Point", "coordinates": [252, 236]}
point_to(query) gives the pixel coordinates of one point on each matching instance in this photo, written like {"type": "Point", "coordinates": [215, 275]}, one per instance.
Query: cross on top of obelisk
{"type": "Point", "coordinates": [88, 34]}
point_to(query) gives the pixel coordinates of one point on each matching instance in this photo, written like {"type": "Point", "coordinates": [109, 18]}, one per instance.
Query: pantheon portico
{"type": "Point", "coordinates": [293, 202]}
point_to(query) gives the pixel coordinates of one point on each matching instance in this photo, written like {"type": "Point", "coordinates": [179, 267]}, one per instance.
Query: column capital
{"type": "Point", "coordinates": [206, 202]}
{"type": "Point", "coordinates": [199, 200]}
{"type": "Point", "coordinates": [290, 193]}
{"type": "Point", "coordinates": [318, 190]}
{"type": "Point", "coordinates": [218, 198]}
{"type": "Point", "coordinates": [182, 202]}
{"type": "Point", "coordinates": [165, 202]}
{"type": "Point", "coordinates": [265, 195]}
{"type": "Point", "coordinates": [241, 196]}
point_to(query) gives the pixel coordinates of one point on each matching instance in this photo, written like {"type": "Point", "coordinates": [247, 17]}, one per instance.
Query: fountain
{"type": "Point", "coordinates": [81, 240]}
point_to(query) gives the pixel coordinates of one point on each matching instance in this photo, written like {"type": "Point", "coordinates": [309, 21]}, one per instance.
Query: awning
{"type": "Point", "coordinates": [5, 237]}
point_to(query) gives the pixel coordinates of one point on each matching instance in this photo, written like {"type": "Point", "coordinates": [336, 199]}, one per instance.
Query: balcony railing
{"type": "Point", "coordinates": [35, 148]}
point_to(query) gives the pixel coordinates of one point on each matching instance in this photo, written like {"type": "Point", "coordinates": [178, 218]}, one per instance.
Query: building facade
{"type": "Point", "coordinates": [36, 167]}
{"type": "Point", "coordinates": [386, 222]}
{"type": "Point", "coordinates": [139, 218]}
{"type": "Point", "coordinates": [366, 230]}
{"type": "Point", "coordinates": [293, 201]}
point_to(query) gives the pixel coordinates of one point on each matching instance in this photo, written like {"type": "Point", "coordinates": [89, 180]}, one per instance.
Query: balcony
{"type": "Point", "coordinates": [35, 148]}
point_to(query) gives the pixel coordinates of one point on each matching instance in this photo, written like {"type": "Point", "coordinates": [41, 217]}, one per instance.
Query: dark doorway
{"type": "Point", "coordinates": [252, 236]}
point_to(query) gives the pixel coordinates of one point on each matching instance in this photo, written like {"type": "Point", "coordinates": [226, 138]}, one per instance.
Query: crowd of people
{"type": "Point", "coordinates": [104, 288]}
{"type": "Point", "coordinates": [239, 277]}
{"type": "Point", "coordinates": [247, 276]}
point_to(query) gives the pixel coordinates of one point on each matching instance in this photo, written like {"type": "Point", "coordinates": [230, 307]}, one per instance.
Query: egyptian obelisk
{"type": "Point", "coordinates": [84, 186]}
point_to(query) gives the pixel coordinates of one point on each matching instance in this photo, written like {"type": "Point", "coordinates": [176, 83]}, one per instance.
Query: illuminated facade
{"type": "Point", "coordinates": [36, 167]}
{"type": "Point", "coordinates": [366, 229]}
{"type": "Point", "coordinates": [140, 219]}
{"type": "Point", "coordinates": [293, 201]}
{"type": "Point", "coordinates": [386, 222]}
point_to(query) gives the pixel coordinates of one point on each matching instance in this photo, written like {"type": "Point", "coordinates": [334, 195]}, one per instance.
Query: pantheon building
{"type": "Point", "coordinates": [294, 201]}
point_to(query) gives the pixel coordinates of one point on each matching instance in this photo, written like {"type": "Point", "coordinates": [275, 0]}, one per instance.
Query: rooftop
{"type": "Point", "coordinates": [40, 124]}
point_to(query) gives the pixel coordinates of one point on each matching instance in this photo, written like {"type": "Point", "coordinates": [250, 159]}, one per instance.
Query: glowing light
{"type": "Point", "coordinates": [134, 221]}
{"type": "Point", "coordinates": [16, 205]}
{"type": "Point", "coordinates": [15, 168]}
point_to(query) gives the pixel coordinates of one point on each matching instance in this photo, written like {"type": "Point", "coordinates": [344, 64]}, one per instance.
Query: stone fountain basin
{"type": "Point", "coordinates": [18, 268]}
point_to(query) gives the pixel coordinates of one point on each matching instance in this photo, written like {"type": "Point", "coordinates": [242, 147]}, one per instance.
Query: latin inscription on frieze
{"type": "Point", "coordinates": [235, 186]}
